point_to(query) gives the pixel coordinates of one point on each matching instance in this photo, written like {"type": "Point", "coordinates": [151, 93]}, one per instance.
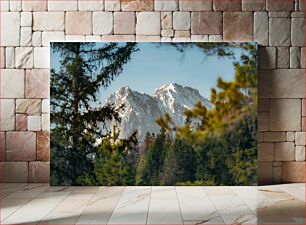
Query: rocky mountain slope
{"type": "Point", "coordinates": [141, 110]}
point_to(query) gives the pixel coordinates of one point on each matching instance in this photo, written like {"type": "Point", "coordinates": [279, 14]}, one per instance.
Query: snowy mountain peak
{"type": "Point", "coordinates": [167, 87]}
{"type": "Point", "coordinates": [124, 91]}
{"type": "Point", "coordinates": [142, 110]}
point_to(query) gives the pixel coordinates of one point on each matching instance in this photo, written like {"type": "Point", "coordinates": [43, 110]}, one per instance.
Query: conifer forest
{"type": "Point", "coordinates": [215, 145]}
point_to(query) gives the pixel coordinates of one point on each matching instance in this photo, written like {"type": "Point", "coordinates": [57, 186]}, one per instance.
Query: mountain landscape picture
{"type": "Point", "coordinates": [153, 114]}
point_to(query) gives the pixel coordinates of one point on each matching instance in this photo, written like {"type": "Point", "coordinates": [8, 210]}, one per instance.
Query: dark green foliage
{"type": "Point", "coordinates": [152, 160]}
{"type": "Point", "coordinates": [114, 165]}
{"type": "Point", "coordinates": [220, 150]}
{"type": "Point", "coordinates": [76, 123]}
{"type": "Point", "coordinates": [230, 159]}
{"type": "Point", "coordinates": [226, 159]}
{"type": "Point", "coordinates": [179, 165]}
{"type": "Point", "coordinates": [224, 141]}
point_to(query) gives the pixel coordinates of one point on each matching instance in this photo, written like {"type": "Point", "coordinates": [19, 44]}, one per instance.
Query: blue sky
{"type": "Point", "coordinates": [155, 65]}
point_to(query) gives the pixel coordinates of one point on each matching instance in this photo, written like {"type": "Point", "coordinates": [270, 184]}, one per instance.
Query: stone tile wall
{"type": "Point", "coordinates": [27, 27]}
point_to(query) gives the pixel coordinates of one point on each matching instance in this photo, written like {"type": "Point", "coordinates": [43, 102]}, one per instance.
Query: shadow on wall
{"type": "Point", "coordinates": [280, 93]}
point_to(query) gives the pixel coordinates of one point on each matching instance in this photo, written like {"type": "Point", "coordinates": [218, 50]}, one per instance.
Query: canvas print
{"type": "Point", "coordinates": [153, 114]}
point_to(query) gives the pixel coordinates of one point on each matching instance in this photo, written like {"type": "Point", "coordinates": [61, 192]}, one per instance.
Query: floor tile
{"type": "Point", "coordinates": [29, 191]}
{"type": "Point", "coordinates": [100, 208]}
{"type": "Point", "coordinates": [8, 206]}
{"type": "Point", "coordinates": [132, 207]}
{"type": "Point", "coordinates": [195, 204]}
{"type": "Point", "coordinates": [278, 204]}
{"type": "Point", "coordinates": [32, 212]}
{"type": "Point", "coordinates": [69, 210]}
{"type": "Point", "coordinates": [294, 190]}
{"type": "Point", "coordinates": [164, 206]}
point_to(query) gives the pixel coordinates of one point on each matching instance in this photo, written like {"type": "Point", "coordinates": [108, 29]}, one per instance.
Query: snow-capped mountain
{"type": "Point", "coordinates": [141, 110]}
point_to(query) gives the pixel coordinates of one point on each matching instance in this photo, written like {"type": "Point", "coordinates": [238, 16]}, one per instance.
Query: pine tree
{"type": "Point", "coordinates": [225, 155]}
{"type": "Point", "coordinates": [179, 164]}
{"type": "Point", "coordinates": [77, 120]}
{"type": "Point", "coordinates": [113, 166]}
{"type": "Point", "coordinates": [151, 162]}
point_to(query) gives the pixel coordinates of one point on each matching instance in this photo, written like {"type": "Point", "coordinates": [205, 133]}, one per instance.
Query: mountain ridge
{"type": "Point", "coordinates": [141, 110]}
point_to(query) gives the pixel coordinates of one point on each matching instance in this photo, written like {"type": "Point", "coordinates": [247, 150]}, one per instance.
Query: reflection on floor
{"type": "Point", "coordinates": [42, 204]}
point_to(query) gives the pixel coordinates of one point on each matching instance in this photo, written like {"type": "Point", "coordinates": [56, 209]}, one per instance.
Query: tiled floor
{"type": "Point", "coordinates": [42, 204]}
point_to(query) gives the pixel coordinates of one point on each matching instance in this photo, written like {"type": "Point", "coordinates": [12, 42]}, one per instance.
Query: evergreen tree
{"type": "Point", "coordinates": [152, 160]}
{"type": "Point", "coordinates": [179, 164]}
{"type": "Point", "coordinates": [142, 163]}
{"type": "Point", "coordinates": [224, 154]}
{"type": "Point", "coordinates": [113, 166]}
{"type": "Point", "coordinates": [77, 121]}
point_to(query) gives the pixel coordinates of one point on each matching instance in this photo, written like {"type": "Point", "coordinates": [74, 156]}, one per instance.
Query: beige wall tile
{"type": "Point", "coordinates": [253, 5]}
{"type": "Point", "coordinates": [26, 19]}
{"type": "Point", "coordinates": [20, 146]}
{"type": "Point", "coordinates": [137, 5]}
{"type": "Point", "coordinates": [275, 136]}
{"type": "Point", "coordinates": [238, 26]}
{"type": "Point", "coordinates": [124, 22]}
{"type": "Point", "coordinates": [102, 23]}
{"type": "Point", "coordinates": [170, 5]}
{"type": "Point", "coordinates": [43, 146]}
{"type": "Point", "coordinates": [56, 5]}
{"type": "Point", "coordinates": [91, 5]}
{"type": "Point", "coordinates": [285, 115]}
{"type": "Point", "coordinates": [279, 31]}
{"type": "Point", "coordinates": [41, 57]}
{"type": "Point", "coordinates": [34, 5]}
{"type": "Point", "coordinates": [143, 28]}
{"type": "Point", "coordinates": [112, 5]}
{"type": "Point", "coordinates": [45, 122]}
{"type": "Point", "coordinates": [181, 21]}
{"type": "Point", "coordinates": [28, 106]}
{"type": "Point", "coordinates": [48, 21]}
{"type": "Point", "coordinates": [39, 172]}
{"type": "Point", "coordinates": [37, 83]}
{"type": "Point", "coordinates": [282, 5]}
{"type": "Point", "coordinates": [264, 173]}
{"type": "Point", "coordinates": [34, 123]}
{"type": "Point", "coordinates": [284, 151]}
{"type": "Point", "coordinates": [204, 5]}
{"type": "Point", "coordinates": [12, 83]}
{"type": "Point", "coordinates": [14, 172]}
{"type": "Point", "coordinates": [2, 146]}
{"type": "Point", "coordinates": [229, 5]}
{"type": "Point", "coordinates": [206, 23]}
{"type": "Point", "coordinates": [265, 151]}
{"type": "Point", "coordinates": [300, 138]}
{"type": "Point", "coordinates": [10, 28]}
{"type": "Point", "coordinates": [300, 153]}
{"type": "Point", "coordinates": [281, 83]}
{"type": "Point", "coordinates": [293, 172]}
{"type": "Point", "coordinates": [21, 122]}
{"type": "Point", "coordinates": [24, 57]}
{"type": "Point", "coordinates": [79, 23]}
{"type": "Point", "coordinates": [7, 114]}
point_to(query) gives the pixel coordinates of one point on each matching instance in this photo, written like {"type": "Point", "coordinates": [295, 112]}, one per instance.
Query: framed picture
{"type": "Point", "coordinates": [153, 114]}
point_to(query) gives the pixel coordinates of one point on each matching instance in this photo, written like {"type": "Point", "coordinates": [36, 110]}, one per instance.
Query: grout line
{"type": "Point", "coordinates": [27, 203]}
{"type": "Point", "coordinates": [149, 205]}
{"type": "Point", "coordinates": [55, 207]}
{"type": "Point", "coordinates": [214, 205]}
{"type": "Point", "coordinates": [255, 212]}
{"type": "Point", "coordinates": [88, 201]}
{"type": "Point", "coordinates": [116, 205]}
{"type": "Point", "coordinates": [30, 199]}
{"type": "Point", "coordinates": [177, 198]}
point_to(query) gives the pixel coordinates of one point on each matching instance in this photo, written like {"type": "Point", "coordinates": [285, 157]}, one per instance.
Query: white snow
{"type": "Point", "coordinates": [142, 110]}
